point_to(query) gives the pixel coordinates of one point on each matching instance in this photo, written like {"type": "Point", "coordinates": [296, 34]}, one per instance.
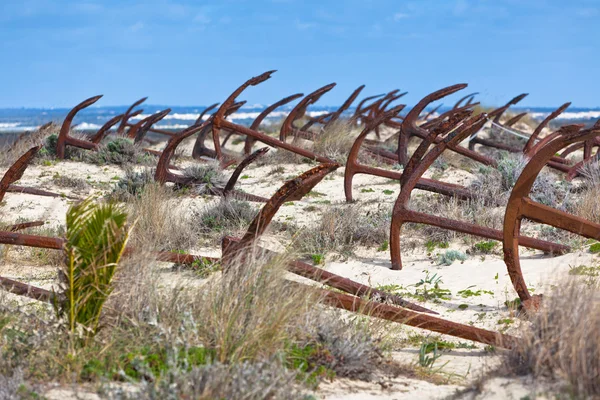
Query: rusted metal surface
{"type": "Point", "coordinates": [346, 105]}
{"type": "Point", "coordinates": [200, 150]}
{"type": "Point", "coordinates": [410, 127]}
{"type": "Point", "coordinates": [138, 131]}
{"type": "Point", "coordinates": [353, 167]}
{"type": "Point", "coordinates": [259, 119]}
{"type": "Point", "coordinates": [128, 115]}
{"type": "Point", "coordinates": [16, 171]}
{"type": "Point", "coordinates": [200, 118]}
{"type": "Point", "coordinates": [521, 206]}
{"type": "Point", "coordinates": [23, 289]}
{"type": "Point", "coordinates": [412, 318]}
{"type": "Point", "coordinates": [336, 281]}
{"type": "Point", "coordinates": [288, 128]}
{"type": "Point", "coordinates": [469, 97]}
{"type": "Point", "coordinates": [238, 170]}
{"type": "Point", "coordinates": [261, 137]}
{"type": "Point", "coordinates": [453, 132]}
{"type": "Point", "coordinates": [541, 126]}
{"type": "Point", "coordinates": [292, 189]}
{"type": "Point", "coordinates": [104, 130]}
{"type": "Point", "coordinates": [219, 116]}
{"type": "Point", "coordinates": [164, 175]}
{"type": "Point", "coordinates": [24, 225]}
{"type": "Point", "coordinates": [64, 139]}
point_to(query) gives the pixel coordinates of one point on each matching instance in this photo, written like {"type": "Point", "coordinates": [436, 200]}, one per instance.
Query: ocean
{"type": "Point", "coordinates": [17, 120]}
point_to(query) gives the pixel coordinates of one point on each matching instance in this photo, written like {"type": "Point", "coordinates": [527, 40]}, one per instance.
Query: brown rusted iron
{"type": "Point", "coordinates": [412, 318]}
{"type": "Point", "coordinates": [259, 119]}
{"type": "Point", "coordinates": [514, 120]}
{"type": "Point", "coordinates": [163, 174]}
{"type": "Point", "coordinates": [521, 206]}
{"type": "Point", "coordinates": [47, 242]}
{"type": "Point", "coordinates": [24, 225]}
{"type": "Point", "coordinates": [430, 113]}
{"type": "Point", "coordinates": [104, 130]}
{"type": "Point", "coordinates": [292, 189]}
{"type": "Point", "coordinates": [128, 115]}
{"type": "Point", "coordinates": [470, 98]}
{"type": "Point", "coordinates": [296, 189]}
{"type": "Point", "coordinates": [541, 126]}
{"type": "Point", "coordinates": [346, 105]}
{"type": "Point", "coordinates": [497, 114]}
{"type": "Point", "coordinates": [353, 167]}
{"type": "Point", "coordinates": [138, 131]}
{"type": "Point", "coordinates": [63, 137]}
{"type": "Point", "coordinates": [219, 115]}
{"type": "Point", "coordinates": [409, 127]}
{"type": "Point", "coordinates": [200, 150]}
{"type": "Point", "coordinates": [23, 289]}
{"type": "Point", "coordinates": [16, 171]}
{"type": "Point", "coordinates": [200, 118]}
{"type": "Point", "coordinates": [454, 132]}
{"type": "Point", "coordinates": [336, 281]}
{"type": "Point", "coordinates": [288, 128]}
{"type": "Point", "coordinates": [261, 137]}
{"type": "Point", "coordinates": [238, 170]}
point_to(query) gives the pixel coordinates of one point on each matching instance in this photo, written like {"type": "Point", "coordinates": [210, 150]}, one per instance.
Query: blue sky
{"type": "Point", "coordinates": [178, 52]}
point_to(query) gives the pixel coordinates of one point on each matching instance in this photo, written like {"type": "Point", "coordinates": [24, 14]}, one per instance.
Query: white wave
{"type": "Point", "coordinates": [178, 116]}
{"type": "Point", "coordinates": [9, 124]}
{"type": "Point", "coordinates": [252, 106]}
{"type": "Point", "coordinates": [18, 128]}
{"type": "Point", "coordinates": [85, 126]}
{"type": "Point", "coordinates": [317, 113]}
{"type": "Point", "coordinates": [173, 126]}
{"type": "Point", "coordinates": [569, 115]}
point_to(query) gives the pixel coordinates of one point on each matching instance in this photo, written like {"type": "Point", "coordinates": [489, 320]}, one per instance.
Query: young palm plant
{"type": "Point", "coordinates": [95, 240]}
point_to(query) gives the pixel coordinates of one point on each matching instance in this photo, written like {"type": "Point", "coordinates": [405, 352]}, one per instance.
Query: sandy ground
{"type": "Point", "coordinates": [485, 276]}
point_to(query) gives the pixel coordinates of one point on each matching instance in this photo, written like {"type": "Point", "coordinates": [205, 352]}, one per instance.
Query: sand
{"type": "Point", "coordinates": [486, 276]}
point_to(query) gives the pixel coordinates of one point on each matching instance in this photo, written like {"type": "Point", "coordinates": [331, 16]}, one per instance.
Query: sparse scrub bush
{"type": "Point", "coordinates": [161, 225]}
{"type": "Point", "coordinates": [69, 182]}
{"type": "Point", "coordinates": [38, 137]}
{"type": "Point", "coordinates": [226, 217]}
{"type": "Point", "coordinates": [251, 381]}
{"type": "Point", "coordinates": [342, 227]}
{"type": "Point", "coordinates": [205, 176]}
{"type": "Point", "coordinates": [449, 256]}
{"type": "Point", "coordinates": [120, 151]}
{"type": "Point", "coordinates": [132, 184]}
{"type": "Point", "coordinates": [561, 340]}
{"type": "Point", "coordinates": [336, 141]}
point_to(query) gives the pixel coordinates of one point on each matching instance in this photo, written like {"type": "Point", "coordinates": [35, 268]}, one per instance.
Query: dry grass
{"type": "Point", "coordinates": [343, 227]}
{"type": "Point", "coordinates": [588, 203]}
{"type": "Point", "coordinates": [561, 341]}
{"type": "Point", "coordinates": [160, 223]}
{"type": "Point", "coordinates": [35, 138]}
{"type": "Point", "coordinates": [336, 141]}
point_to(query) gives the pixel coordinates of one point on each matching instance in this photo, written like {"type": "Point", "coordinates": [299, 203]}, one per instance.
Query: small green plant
{"type": "Point", "coordinates": [318, 259]}
{"type": "Point", "coordinates": [367, 190]}
{"type": "Point", "coordinates": [450, 256]}
{"type": "Point", "coordinates": [463, 306]}
{"type": "Point", "coordinates": [486, 246]}
{"type": "Point", "coordinates": [584, 270]}
{"type": "Point", "coordinates": [505, 321]}
{"type": "Point", "coordinates": [384, 246]}
{"type": "Point", "coordinates": [470, 293]}
{"type": "Point", "coordinates": [388, 192]}
{"type": "Point", "coordinates": [430, 245]}
{"type": "Point", "coordinates": [429, 288]}
{"type": "Point", "coordinates": [95, 240]}
{"type": "Point", "coordinates": [245, 177]}
{"type": "Point", "coordinates": [425, 360]}
{"type": "Point", "coordinates": [595, 248]}
{"type": "Point", "coordinates": [513, 304]}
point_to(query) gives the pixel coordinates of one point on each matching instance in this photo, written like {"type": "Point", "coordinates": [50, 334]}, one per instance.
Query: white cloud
{"type": "Point", "coordinates": [398, 16]}
{"type": "Point", "coordinates": [460, 7]}
{"type": "Point", "coordinates": [202, 18]}
{"type": "Point", "coordinates": [138, 26]}
{"type": "Point", "coordinates": [304, 25]}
